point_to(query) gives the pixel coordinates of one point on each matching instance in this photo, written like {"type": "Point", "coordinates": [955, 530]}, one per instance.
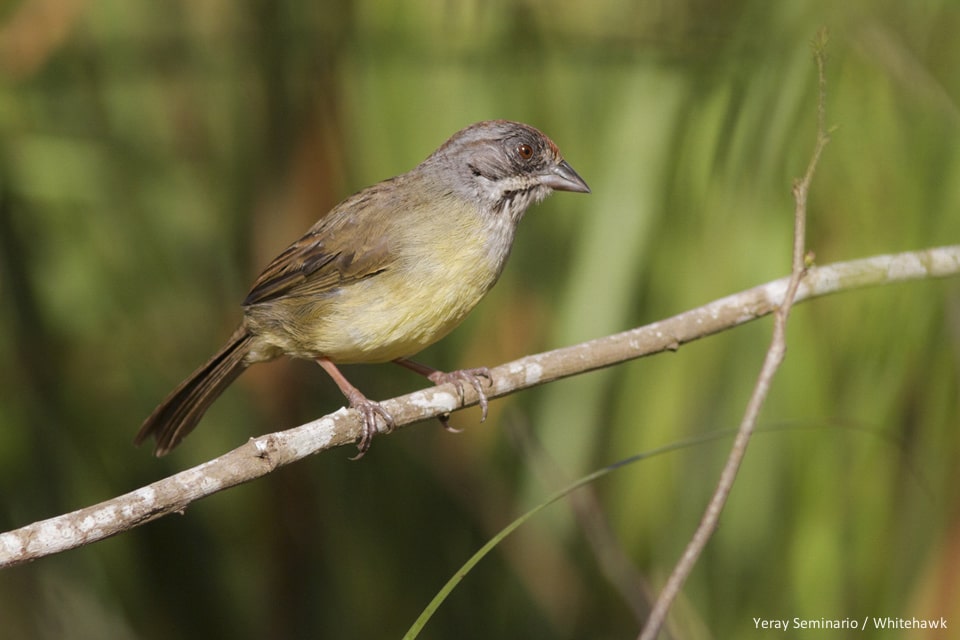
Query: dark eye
{"type": "Point", "coordinates": [525, 151]}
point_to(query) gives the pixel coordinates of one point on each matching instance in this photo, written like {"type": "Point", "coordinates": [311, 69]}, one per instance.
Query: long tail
{"type": "Point", "coordinates": [180, 411]}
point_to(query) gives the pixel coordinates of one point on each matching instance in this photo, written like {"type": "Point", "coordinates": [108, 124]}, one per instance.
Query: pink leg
{"type": "Point", "coordinates": [369, 410]}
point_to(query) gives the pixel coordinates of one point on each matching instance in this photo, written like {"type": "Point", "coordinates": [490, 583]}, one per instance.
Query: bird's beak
{"type": "Point", "coordinates": [562, 177]}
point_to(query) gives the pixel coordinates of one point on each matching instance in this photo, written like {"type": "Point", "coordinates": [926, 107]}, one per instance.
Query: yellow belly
{"type": "Point", "coordinates": [386, 317]}
{"type": "Point", "coordinates": [396, 313]}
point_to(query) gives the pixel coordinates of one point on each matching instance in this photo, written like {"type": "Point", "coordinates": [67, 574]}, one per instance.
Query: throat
{"type": "Point", "coordinates": [514, 202]}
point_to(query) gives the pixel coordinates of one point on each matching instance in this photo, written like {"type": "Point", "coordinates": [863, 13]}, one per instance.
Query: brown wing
{"type": "Point", "coordinates": [343, 247]}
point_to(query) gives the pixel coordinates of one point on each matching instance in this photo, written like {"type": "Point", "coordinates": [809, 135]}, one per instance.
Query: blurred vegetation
{"type": "Point", "coordinates": [155, 155]}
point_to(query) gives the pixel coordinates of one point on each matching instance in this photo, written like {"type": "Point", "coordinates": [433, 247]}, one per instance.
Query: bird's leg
{"type": "Point", "coordinates": [369, 410]}
{"type": "Point", "coordinates": [457, 378]}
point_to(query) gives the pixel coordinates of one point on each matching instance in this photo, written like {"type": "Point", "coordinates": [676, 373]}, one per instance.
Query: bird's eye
{"type": "Point", "coordinates": [525, 151]}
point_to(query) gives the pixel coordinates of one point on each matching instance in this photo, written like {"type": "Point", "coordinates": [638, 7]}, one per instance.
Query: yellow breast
{"type": "Point", "coordinates": [444, 265]}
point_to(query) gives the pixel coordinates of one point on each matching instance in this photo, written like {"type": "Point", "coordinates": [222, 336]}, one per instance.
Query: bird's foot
{"type": "Point", "coordinates": [370, 412]}
{"type": "Point", "coordinates": [458, 378]}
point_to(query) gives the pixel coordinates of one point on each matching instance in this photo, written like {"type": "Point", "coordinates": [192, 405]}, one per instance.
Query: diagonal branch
{"type": "Point", "coordinates": [259, 456]}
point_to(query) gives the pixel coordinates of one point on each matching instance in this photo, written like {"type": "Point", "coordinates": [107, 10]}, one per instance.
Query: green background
{"type": "Point", "coordinates": [154, 156]}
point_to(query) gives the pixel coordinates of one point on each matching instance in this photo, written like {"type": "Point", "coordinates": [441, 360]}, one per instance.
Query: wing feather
{"type": "Point", "coordinates": [343, 247]}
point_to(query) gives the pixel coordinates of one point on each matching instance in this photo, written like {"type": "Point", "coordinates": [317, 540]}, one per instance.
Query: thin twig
{"type": "Point", "coordinates": [772, 361]}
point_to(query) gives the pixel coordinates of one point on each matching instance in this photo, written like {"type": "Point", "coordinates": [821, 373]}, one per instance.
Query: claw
{"type": "Point", "coordinates": [444, 419]}
{"type": "Point", "coordinates": [369, 410]}
{"type": "Point", "coordinates": [457, 378]}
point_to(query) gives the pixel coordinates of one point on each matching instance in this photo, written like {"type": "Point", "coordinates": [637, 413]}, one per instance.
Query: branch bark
{"type": "Point", "coordinates": [259, 456]}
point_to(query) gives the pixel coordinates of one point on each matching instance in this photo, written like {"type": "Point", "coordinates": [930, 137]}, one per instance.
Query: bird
{"type": "Point", "coordinates": [387, 272]}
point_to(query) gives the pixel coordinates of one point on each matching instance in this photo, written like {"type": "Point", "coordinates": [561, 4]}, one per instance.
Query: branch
{"type": "Point", "coordinates": [259, 456]}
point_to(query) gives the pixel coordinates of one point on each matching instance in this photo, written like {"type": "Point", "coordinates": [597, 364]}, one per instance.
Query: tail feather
{"type": "Point", "coordinates": [182, 409]}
